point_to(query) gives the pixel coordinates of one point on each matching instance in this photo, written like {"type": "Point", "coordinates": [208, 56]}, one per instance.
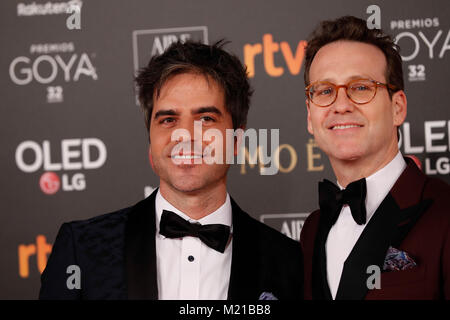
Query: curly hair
{"type": "Point", "coordinates": [198, 58]}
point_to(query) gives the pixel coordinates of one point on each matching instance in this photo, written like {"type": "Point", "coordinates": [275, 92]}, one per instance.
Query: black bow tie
{"type": "Point", "coordinates": [213, 235]}
{"type": "Point", "coordinates": [331, 199]}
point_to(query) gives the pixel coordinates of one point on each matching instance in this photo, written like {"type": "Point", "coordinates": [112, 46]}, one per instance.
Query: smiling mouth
{"type": "Point", "coordinates": [186, 157]}
{"type": "Point", "coordinates": [345, 126]}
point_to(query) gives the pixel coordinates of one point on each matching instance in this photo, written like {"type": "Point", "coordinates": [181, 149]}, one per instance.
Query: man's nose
{"type": "Point", "coordinates": [191, 130]}
{"type": "Point", "coordinates": [195, 129]}
{"type": "Point", "coordinates": [343, 103]}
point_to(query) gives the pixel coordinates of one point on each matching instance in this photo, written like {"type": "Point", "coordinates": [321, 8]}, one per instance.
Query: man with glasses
{"type": "Point", "coordinates": [383, 231]}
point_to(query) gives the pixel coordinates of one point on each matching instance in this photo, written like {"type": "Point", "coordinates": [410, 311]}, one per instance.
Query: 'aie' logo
{"type": "Point", "coordinates": [290, 224]}
{"type": "Point", "coordinates": [147, 43]}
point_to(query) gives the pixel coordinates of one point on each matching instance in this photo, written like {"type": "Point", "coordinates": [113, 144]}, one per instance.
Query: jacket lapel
{"type": "Point", "coordinates": [140, 250]}
{"type": "Point", "coordinates": [391, 223]}
{"type": "Point", "coordinates": [370, 249]}
{"type": "Point", "coordinates": [320, 288]}
{"type": "Point", "coordinates": [244, 276]}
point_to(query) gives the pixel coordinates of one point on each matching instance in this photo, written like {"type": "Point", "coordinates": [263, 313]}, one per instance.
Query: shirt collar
{"type": "Point", "coordinates": [221, 216]}
{"type": "Point", "coordinates": [381, 182]}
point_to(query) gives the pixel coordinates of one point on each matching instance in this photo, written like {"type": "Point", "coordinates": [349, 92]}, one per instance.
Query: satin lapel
{"type": "Point", "coordinates": [407, 193]}
{"type": "Point", "coordinates": [140, 250]}
{"type": "Point", "coordinates": [370, 249]}
{"type": "Point", "coordinates": [244, 276]}
{"type": "Point", "coordinates": [320, 288]}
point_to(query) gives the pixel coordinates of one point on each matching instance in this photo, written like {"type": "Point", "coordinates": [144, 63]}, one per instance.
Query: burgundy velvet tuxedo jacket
{"type": "Point", "coordinates": [415, 218]}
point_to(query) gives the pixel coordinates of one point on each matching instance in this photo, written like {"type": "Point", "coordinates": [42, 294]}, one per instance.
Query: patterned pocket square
{"type": "Point", "coordinates": [267, 296]}
{"type": "Point", "coordinates": [398, 260]}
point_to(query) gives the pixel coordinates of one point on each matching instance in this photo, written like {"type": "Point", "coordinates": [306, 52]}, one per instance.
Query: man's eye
{"type": "Point", "coordinates": [323, 92]}
{"type": "Point", "coordinates": [360, 87]}
{"type": "Point", "coordinates": [207, 119]}
{"type": "Point", "coordinates": [167, 120]}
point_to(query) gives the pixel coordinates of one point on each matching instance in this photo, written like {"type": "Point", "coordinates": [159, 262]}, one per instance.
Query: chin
{"type": "Point", "coordinates": [347, 154]}
{"type": "Point", "coordinates": [187, 184]}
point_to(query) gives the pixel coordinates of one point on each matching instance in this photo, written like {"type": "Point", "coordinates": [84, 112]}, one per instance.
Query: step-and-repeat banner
{"type": "Point", "coordinates": [74, 143]}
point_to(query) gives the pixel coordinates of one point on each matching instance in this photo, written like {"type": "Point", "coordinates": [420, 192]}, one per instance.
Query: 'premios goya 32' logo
{"type": "Point", "coordinates": [52, 64]}
{"type": "Point", "coordinates": [421, 39]}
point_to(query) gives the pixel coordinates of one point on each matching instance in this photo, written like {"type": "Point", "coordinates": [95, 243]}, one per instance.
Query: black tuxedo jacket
{"type": "Point", "coordinates": [116, 254]}
{"type": "Point", "coordinates": [414, 218]}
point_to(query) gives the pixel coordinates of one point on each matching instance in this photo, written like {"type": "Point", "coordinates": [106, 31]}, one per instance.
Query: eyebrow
{"type": "Point", "coordinates": [208, 109]}
{"type": "Point", "coordinates": [348, 79]}
{"type": "Point", "coordinates": [200, 110]}
{"type": "Point", "coordinates": [168, 112]}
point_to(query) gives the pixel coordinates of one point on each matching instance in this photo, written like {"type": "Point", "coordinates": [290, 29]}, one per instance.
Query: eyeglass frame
{"type": "Point", "coordinates": [337, 87]}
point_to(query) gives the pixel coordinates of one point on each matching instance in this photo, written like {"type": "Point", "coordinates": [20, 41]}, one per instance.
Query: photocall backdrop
{"type": "Point", "coordinates": [74, 143]}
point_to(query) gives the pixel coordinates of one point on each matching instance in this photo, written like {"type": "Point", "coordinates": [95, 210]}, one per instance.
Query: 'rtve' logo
{"type": "Point", "coordinates": [268, 48]}
{"type": "Point", "coordinates": [25, 251]}
{"type": "Point", "coordinates": [76, 154]}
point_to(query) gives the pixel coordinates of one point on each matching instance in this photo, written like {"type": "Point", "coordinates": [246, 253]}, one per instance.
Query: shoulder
{"type": "Point", "coordinates": [437, 189]}
{"type": "Point", "coordinates": [309, 230]}
{"type": "Point", "coordinates": [313, 218]}
{"type": "Point", "coordinates": [92, 239]}
{"type": "Point", "coordinates": [439, 192]}
{"type": "Point", "coordinates": [311, 223]}
{"type": "Point", "coordinates": [98, 227]}
{"type": "Point", "coordinates": [268, 238]}
{"type": "Point", "coordinates": [259, 233]}
{"type": "Point", "coordinates": [103, 220]}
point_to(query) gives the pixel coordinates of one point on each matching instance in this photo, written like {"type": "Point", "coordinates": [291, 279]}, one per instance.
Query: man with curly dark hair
{"type": "Point", "coordinates": [188, 240]}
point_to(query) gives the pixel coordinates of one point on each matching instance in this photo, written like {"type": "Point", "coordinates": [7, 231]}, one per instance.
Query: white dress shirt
{"type": "Point", "coordinates": [187, 269]}
{"type": "Point", "coordinates": [345, 232]}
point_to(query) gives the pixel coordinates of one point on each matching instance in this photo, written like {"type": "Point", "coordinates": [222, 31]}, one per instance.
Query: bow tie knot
{"type": "Point", "coordinates": [340, 198]}
{"type": "Point", "coordinates": [331, 200]}
{"type": "Point", "coordinates": [215, 236]}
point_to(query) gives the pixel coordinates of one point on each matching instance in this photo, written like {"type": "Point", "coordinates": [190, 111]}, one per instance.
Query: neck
{"type": "Point", "coordinates": [347, 171]}
{"type": "Point", "coordinates": [198, 203]}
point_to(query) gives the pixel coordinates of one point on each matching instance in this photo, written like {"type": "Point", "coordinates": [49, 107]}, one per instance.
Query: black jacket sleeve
{"type": "Point", "coordinates": [55, 278]}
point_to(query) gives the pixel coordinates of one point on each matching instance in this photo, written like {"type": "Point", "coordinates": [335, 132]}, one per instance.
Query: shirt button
{"type": "Point", "coordinates": [191, 258]}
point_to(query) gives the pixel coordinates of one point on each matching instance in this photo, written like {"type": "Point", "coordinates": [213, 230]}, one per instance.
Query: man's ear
{"type": "Point", "coordinates": [310, 127]}
{"type": "Point", "coordinates": [399, 107]}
